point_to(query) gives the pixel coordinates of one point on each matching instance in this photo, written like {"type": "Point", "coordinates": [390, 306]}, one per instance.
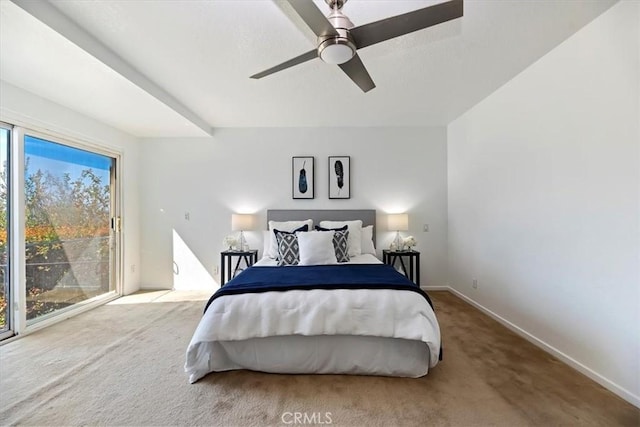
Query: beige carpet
{"type": "Point", "coordinates": [121, 364]}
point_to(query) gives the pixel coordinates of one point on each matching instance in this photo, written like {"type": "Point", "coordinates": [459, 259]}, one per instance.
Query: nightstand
{"type": "Point", "coordinates": [392, 257]}
{"type": "Point", "coordinates": [226, 260]}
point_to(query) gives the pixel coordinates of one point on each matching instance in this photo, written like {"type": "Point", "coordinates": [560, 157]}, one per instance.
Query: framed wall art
{"type": "Point", "coordinates": [302, 177]}
{"type": "Point", "coordinates": [339, 177]}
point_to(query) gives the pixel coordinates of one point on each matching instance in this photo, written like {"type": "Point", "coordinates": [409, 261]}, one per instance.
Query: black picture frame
{"type": "Point", "coordinates": [339, 177]}
{"type": "Point", "coordinates": [302, 177]}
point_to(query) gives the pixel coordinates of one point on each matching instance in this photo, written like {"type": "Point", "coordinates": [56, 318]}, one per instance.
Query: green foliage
{"type": "Point", "coordinates": [3, 310]}
{"type": "Point", "coordinates": [58, 209]}
{"type": "Point", "coordinates": [59, 202]}
{"type": "Point", "coordinates": [3, 241]}
{"type": "Point", "coordinates": [4, 193]}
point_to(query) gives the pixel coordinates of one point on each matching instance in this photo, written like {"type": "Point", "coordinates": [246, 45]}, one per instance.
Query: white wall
{"type": "Point", "coordinates": [544, 196]}
{"type": "Point", "coordinates": [23, 108]}
{"type": "Point", "coordinates": [249, 171]}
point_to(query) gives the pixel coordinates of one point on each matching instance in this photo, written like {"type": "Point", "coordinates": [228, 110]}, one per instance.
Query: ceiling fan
{"type": "Point", "coordinates": [338, 39]}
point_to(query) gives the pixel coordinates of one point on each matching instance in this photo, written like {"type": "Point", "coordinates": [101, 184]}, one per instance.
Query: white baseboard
{"type": "Point", "coordinates": [434, 288]}
{"type": "Point", "coordinates": [606, 383]}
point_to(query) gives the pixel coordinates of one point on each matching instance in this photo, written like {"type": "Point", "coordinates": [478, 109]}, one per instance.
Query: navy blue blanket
{"type": "Point", "coordinates": [341, 276]}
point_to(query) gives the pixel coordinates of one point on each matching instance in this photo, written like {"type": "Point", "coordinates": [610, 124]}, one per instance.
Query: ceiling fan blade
{"type": "Point", "coordinates": [385, 29]}
{"type": "Point", "coordinates": [313, 17]}
{"type": "Point", "coordinates": [287, 64]}
{"type": "Point", "coordinates": [354, 68]}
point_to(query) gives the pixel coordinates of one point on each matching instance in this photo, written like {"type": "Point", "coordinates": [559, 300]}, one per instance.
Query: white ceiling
{"type": "Point", "coordinates": [197, 57]}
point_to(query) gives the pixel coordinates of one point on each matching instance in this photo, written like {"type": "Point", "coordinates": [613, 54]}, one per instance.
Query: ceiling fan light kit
{"type": "Point", "coordinates": [337, 49]}
{"type": "Point", "coordinates": [339, 40]}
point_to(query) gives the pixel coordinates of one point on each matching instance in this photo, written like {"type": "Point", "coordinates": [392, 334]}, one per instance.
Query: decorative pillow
{"type": "Point", "coordinates": [340, 242]}
{"type": "Point", "coordinates": [367, 240]}
{"type": "Point", "coordinates": [266, 242]}
{"type": "Point", "coordinates": [289, 226]}
{"type": "Point", "coordinates": [355, 234]}
{"type": "Point", "coordinates": [288, 248]}
{"type": "Point", "coordinates": [341, 245]}
{"type": "Point", "coordinates": [316, 248]}
{"type": "Point", "coordinates": [275, 232]}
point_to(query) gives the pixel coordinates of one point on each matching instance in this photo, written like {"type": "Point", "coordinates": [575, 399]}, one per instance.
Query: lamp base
{"type": "Point", "coordinates": [242, 243]}
{"type": "Point", "coordinates": [399, 242]}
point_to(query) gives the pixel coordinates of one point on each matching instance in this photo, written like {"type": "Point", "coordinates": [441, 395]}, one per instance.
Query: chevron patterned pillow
{"type": "Point", "coordinates": [340, 241]}
{"type": "Point", "coordinates": [341, 245]}
{"type": "Point", "coordinates": [288, 248]}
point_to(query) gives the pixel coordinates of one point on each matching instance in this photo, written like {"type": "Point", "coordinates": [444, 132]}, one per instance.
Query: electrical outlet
{"type": "Point", "coordinates": [187, 216]}
{"type": "Point", "coordinates": [216, 270]}
{"type": "Point", "coordinates": [425, 228]}
{"type": "Point", "coordinates": [133, 268]}
{"type": "Point", "coordinates": [475, 284]}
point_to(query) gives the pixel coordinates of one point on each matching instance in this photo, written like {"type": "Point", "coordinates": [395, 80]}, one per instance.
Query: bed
{"type": "Point", "coordinates": [357, 317]}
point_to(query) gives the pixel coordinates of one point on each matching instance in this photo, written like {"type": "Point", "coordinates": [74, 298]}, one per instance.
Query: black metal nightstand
{"type": "Point", "coordinates": [226, 260]}
{"type": "Point", "coordinates": [413, 273]}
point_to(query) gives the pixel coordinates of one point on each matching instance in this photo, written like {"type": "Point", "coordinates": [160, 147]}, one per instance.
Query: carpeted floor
{"type": "Point", "coordinates": [122, 364]}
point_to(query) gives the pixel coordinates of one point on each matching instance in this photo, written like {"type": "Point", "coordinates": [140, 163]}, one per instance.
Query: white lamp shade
{"type": "Point", "coordinates": [398, 222]}
{"type": "Point", "coordinates": [241, 222]}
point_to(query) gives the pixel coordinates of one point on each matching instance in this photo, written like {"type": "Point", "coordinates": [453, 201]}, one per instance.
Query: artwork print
{"type": "Point", "coordinates": [339, 177]}
{"type": "Point", "coordinates": [302, 175]}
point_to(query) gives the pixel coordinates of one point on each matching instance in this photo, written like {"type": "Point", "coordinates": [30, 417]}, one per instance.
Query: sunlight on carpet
{"type": "Point", "coordinates": [150, 296]}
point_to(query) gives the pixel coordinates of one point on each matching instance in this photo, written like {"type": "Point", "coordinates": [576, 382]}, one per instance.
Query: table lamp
{"type": "Point", "coordinates": [398, 222]}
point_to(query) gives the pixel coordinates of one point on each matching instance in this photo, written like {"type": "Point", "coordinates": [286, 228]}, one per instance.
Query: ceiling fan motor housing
{"type": "Point", "coordinates": [341, 48]}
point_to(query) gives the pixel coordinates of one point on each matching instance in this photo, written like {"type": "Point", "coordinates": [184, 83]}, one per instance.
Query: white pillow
{"type": "Point", "coordinates": [316, 248]}
{"type": "Point", "coordinates": [266, 242]}
{"type": "Point", "coordinates": [283, 226]}
{"type": "Point", "coordinates": [368, 246]}
{"type": "Point", "coordinates": [355, 234]}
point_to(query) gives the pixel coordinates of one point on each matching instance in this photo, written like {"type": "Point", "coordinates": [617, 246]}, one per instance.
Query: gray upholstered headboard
{"type": "Point", "coordinates": [368, 216]}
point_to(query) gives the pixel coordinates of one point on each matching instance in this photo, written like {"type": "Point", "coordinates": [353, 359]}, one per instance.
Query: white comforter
{"type": "Point", "coordinates": [376, 313]}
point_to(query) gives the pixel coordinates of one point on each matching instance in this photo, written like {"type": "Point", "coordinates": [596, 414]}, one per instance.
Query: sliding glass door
{"type": "Point", "coordinates": [69, 241]}
{"type": "Point", "coordinates": [5, 290]}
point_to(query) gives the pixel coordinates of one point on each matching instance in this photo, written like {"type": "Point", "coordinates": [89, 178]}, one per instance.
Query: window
{"type": "Point", "coordinates": [5, 291]}
{"type": "Point", "coordinates": [67, 226]}
{"type": "Point", "coordinates": [63, 196]}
